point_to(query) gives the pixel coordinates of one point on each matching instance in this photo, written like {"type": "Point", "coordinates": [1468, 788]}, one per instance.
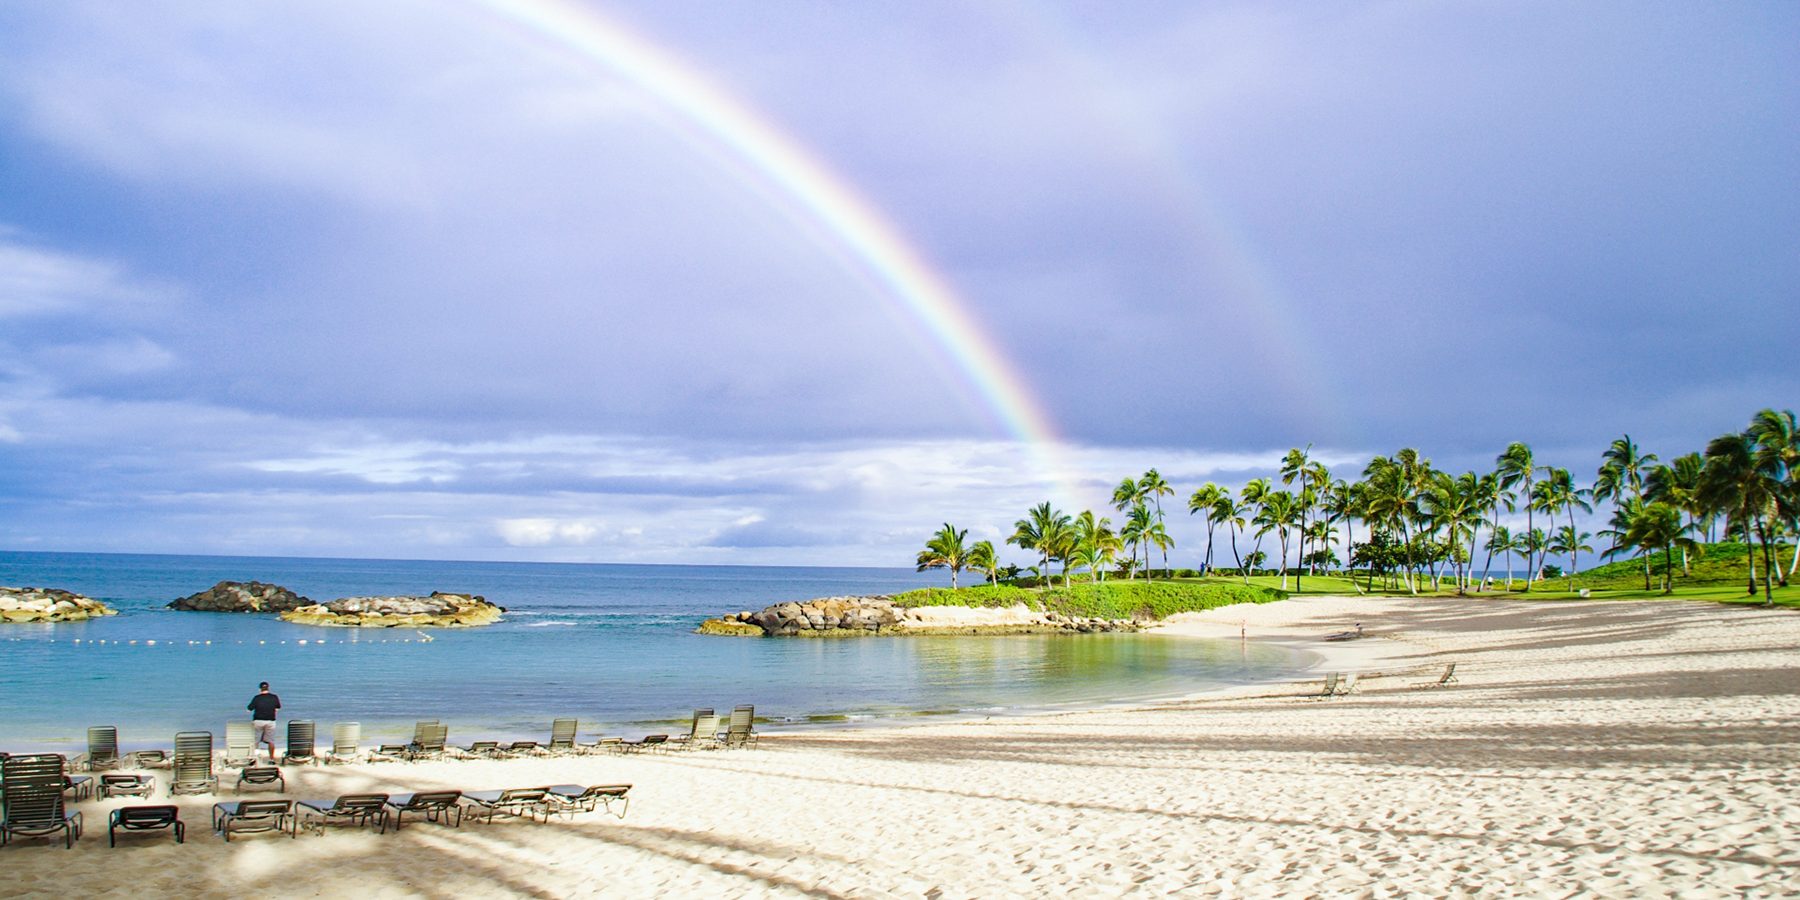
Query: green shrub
{"type": "Point", "coordinates": [1136, 599]}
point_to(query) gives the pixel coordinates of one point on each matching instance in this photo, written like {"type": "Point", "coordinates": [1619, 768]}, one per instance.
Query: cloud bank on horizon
{"type": "Point", "coordinates": [418, 281]}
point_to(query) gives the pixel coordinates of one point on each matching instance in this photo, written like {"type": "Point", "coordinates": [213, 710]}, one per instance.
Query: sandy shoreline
{"type": "Point", "coordinates": [1612, 749]}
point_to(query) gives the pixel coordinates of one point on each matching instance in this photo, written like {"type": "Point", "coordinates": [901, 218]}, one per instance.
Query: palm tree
{"type": "Point", "coordinates": [1746, 476]}
{"type": "Point", "coordinates": [1293, 465]}
{"type": "Point", "coordinates": [1621, 475]}
{"type": "Point", "coordinates": [1045, 530]}
{"type": "Point", "coordinates": [1678, 484]}
{"type": "Point", "coordinates": [1203, 500]}
{"type": "Point", "coordinates": [1500, 540]}
{"type": "Point", "coordinates": [1255, 491]}
{"type": "Point", "coordinates": [1340, 503]}
{"type": "Point", "coordinates": [1394, 485]}
{"type": "Point", "coordinates": [1231, 513]}
{"type": "Point", "coordinates": [1516, 467]}
{"type": "Point", "coordinates": [1568, 541]}
{"type": "Point", "coordinates": [1531, 544]}
{"type": "Point", "coordinates": [1140, 522]}
{"type": "Point", "coordinates": [982, 558]}
{"type": "Point", "coordinates": [1154, 488]}
{"type": "Point", "coordinates": [1562, 494]}
{"type": "Point", "coordinates": [1619, 528]}
{"type": "Point", "coordinates": [945, 550]}
{"type": "Point", "coordinates": [1449, 505]}
{"type": "Point", "coordinates": [1487, 498]}
{"type": "Point", "coordinates": [1658, 526]}
{"type": "Point", "coordinates": [1095, 543]}
{"type": "Point", "coordinates": [1778, 453]}
{"type": "Point", "coordinates": [1126, 494]}
{"type": "Point", "coordinates": [1279, 512]}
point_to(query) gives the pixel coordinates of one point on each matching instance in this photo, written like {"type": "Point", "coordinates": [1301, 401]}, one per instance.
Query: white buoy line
{"type": "Point", "coordinates": [152, 642]}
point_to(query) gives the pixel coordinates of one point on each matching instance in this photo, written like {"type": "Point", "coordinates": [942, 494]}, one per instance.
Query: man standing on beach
{"type": "Point", "coordinates": [262, 715]}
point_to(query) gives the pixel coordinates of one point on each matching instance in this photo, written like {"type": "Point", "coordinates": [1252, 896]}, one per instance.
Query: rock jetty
{"type": "Point", "coordinates": [242, 596]}
{"type": "Point", "coordinates": [440, 610]}
{"type": "Point", "coordinates": [852, 616]}
{"type": "Point", "coordinates": [29, 604]}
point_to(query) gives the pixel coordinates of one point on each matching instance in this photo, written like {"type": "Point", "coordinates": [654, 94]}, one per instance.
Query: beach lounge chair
{"type": "Point", "coordinates": [122, 785]}
{"type": "Point", "coordinates": [604, 745]}
{"type": "Point", "coordinates": [647, 742]}
{"type": "Point", "coordinates": [240, 744]}
{"type": "Point", "coordinates": [1449, 677]}
{"type": "Point", "coordinates": [523, 748]}
{"type": "Point", "coordinates": [485, 749]}
{"type": "Point", "coordinates": [103, 748]}
{"type": "Point", "coordinates": [33, 789]}
{"type": "Point", "coordinates": [257, 776]}
{"type": "Point", "coordinates": [513, 802]}
{"type": "Point", "coordinates": [192, 770]}
{"type": "Point", "coordinates": [436, 806]}
{"type": "Point", "coordinates": [573, 798]}
{"type": "Point", "coordinates": [144, 818]}
{"type": "Point", "coordinates": [388, 753]}
{"type": "Point", "coordinates": [562, 737]}
{"type": "Point", "coordinates": [78, 787]}
{"type": "Point", "coordinates": [1347, 684]}
{"type": "Point", "coordinates": [700, 736]}
{"type": "Point", "coordinates": [345, 736]}
{"type": "Point", "coordinates": [240, 816]}
{"type": "Point", "coordinates": [739, 732]}
{"type": "Point", "coordinates": [149, 759]}
{"type": "Point", "coordinates": [1331, 686]}
{"type": "Point", "coordinates": [428, 741]}
{"type": "Point", "coordinates": [354, 809]}
{"type": "Point", "coordinates": [300, 744]}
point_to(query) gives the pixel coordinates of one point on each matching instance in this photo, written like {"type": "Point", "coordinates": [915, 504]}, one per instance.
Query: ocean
{"type": "Point", "coordinates": [612, 645]}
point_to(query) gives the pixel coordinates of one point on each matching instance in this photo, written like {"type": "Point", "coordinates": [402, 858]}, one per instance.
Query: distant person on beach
{"type": "Point", "coordinates": [262, 715]}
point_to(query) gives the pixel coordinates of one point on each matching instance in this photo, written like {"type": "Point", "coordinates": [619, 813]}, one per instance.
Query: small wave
{"type": "Point", "coordinates": [553, 623]}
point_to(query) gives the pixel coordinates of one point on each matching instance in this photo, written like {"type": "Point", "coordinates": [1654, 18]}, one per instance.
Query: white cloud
{"type": "Point", "coordinates": [38, 281]}
{"type": "Point", "coordinates": [544, 532]}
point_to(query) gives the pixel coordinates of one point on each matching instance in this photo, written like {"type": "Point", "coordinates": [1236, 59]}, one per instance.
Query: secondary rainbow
{"type": "Point", "coordinates": [790, 174]}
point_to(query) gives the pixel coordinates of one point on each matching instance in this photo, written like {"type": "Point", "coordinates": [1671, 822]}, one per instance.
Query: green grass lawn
{"type": "Point", "coordinates": [1718, 578]}
{"type": "Point", "coordinates": [1112, 599]}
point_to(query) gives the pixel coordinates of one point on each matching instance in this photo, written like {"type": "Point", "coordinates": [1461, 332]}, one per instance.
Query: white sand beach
{"type": "Point", "coordinates": [1607, 749]}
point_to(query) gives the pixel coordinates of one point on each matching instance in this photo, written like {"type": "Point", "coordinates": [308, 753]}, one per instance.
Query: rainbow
{"type": "Point", "coordinates": [1226, 253]}
{"type": "Point", "coordinates": [786, 171]}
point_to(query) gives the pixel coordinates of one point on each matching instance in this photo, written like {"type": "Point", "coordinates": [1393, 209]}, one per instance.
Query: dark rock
{"type": "Point", "coordinates": [242, 596]}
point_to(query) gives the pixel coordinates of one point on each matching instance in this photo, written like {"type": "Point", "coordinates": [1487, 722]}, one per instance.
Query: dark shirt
{"type": "Point", "coordinates": [263, 706]}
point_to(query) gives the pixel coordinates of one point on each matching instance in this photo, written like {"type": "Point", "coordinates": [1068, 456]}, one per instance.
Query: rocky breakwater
{"type": "Point", "coordinates": [242, 596]}
{"type": "Point", "coordinates": [440, 610]}
{"type": "Point", "coordinates": [855, 616]}
{"type": "Point", "coordinates": [29, 604]}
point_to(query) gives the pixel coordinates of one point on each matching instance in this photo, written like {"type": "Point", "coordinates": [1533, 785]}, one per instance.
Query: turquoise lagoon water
{"type": "Point", "coordinates": [609, 644]}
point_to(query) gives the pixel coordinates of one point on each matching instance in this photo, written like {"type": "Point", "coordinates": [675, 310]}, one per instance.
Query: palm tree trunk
{"type": "Point", "coordinates": [1235, 556]}
{"type": "Point", "coordinates": [1282, 534]}
{"type": "Point", "coordinates": [1406, 541]}
{"type": "Point", "coordinates": [1770, 566]}
{"type": "Point", "coordinates": [1574, 544]}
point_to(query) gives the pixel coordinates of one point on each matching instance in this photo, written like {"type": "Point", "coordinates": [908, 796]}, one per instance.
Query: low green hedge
{"type": "Point", "coordinates": [1136, 599]}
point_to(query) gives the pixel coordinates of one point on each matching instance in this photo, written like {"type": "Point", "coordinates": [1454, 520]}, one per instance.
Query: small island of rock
{"type": "Point", "coordinates": [242, 596]}
{"type": "Point", "coordinates": [440, 610]}
{"type": "Point", "coordinates": [850, 616]}
{"type": "Point", "coordinates": [29, 604]}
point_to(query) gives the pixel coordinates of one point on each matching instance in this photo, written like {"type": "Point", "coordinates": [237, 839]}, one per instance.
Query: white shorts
{"type": "Point", "coordinates": [265, 731]}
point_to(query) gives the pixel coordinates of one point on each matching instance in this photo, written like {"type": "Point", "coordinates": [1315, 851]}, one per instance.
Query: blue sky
{"type": "Point", "coordinates": [321, 279]}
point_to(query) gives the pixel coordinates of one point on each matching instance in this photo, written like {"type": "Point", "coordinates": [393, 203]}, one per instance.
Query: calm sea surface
{"type": "Point", "coordinates": [609, 644]}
